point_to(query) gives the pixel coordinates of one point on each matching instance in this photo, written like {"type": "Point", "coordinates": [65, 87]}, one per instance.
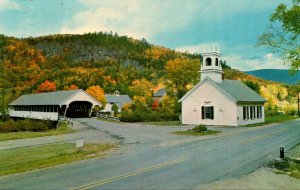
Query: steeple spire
{"type": "Point", "coordinates": [211, 66]}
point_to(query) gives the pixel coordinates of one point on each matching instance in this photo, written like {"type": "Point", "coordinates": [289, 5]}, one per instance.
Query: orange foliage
{"type": "Point", "coordinates": [155, 104]}
{"type": "Point", "coordinates": [47, 86]}
{"type": "Point", "coordinates": [72, 87]}
{"type": "Point", "coordinates": [98, 93]}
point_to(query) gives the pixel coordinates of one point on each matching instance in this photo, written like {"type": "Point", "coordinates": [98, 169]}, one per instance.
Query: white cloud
{"type": "Point", "coordinates": [200, 48]}
{"type": "Point", "coordinates": [147, 18]}
{"type": "Point", "coordinates": [136, 18]}
{"type": "Point", "coordinates": [247, 64]}
{"type": "Point", "coordinates": [9, 5]}
{"type": "Point", "coordinates": [235, 59]}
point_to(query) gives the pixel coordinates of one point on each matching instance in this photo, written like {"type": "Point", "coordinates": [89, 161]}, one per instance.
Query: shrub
{"type": "Point", "coordinates": [199, 128]}
{"type": "Point", "coordinates": [25, 125]}
{"type": "Point", "coordinates": [282, 164]}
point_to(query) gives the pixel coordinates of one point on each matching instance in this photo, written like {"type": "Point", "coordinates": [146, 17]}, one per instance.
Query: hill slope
{"type": "Point", "coordinates": [277, 75]}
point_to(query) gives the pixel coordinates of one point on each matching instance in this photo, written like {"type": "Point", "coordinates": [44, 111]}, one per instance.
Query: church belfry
{"type": "Point", "coordinates": [211, 66]}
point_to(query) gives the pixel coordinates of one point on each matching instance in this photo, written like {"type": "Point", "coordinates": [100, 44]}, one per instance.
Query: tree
{"type": "Point", "coordinates": [180, 73]}
{"type": "Point", "coordinates": [46, 86]}
{"type": "Point", "coordinates": [142, 87]}
{"type": "Point", "coordinates": [98, 93]}
{"type": "Point", "coordinates": [115, 109]}
{"type": "Point", "coordinates": [253, 85]}
{"type": "Point", "coordinates": [155, 104]}
{"type": "Point", "coordinates": [283, 34]}
{"type": "Point", "coordinates": [72, 87]}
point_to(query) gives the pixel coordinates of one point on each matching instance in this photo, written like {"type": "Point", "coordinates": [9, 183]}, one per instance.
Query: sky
{"type": "Point", "coordinates": [185, 25]}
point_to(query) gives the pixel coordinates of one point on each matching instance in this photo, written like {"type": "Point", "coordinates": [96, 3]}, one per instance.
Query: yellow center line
{"type": "Point", "coordinates": [115, 178]}
{"type": "Point", "coordinates": [263, 136]}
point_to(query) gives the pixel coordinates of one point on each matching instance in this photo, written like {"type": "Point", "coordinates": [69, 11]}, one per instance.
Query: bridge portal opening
{"type": "Point", "coordinates": [79, 109]}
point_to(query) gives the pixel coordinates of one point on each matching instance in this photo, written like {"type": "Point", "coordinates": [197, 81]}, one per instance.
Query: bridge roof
{"type": "Point", "coordinates": [49, 98]}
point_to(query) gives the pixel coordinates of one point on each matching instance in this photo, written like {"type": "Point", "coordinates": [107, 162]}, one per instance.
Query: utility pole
{"type": "Point", "coordinates": [3, 104]}
{"type": "Point", "coordinates": [298, 104]}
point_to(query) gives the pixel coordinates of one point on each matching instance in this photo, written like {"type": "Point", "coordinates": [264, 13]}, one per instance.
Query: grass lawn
{"type": "Point", "coordinates": [193, 133]}
{"type": "Point", "coordinates": [163, 123]}
{"type": "Point", "coordinates": [291, 163]}
{"type": "Point", "coordinates": [35, 157]}
{"type": "Point", "coordinates": [62, 129]}
{"type": "Point", "coordinates": [273, 119]}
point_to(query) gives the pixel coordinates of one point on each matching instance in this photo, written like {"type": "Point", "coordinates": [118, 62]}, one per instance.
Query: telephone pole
{"type": "Point", "coordinates": [298, 104]}
{"type": "Point", "coordinates": [3, 104]}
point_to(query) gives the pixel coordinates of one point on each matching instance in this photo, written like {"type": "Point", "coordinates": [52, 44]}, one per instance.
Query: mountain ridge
{"type": "Point", "coordinates": [277, 75]}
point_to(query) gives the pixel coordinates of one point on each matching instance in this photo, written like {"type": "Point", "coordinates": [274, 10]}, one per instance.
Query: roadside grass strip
{"type": "Point", "coordinates": [41, 156]}
{"type": "Point", "coordinates": [162, 123]}
{"type": "Point", "coordinates": [263, 136]}
{"type": "Point", "coordinates": [63, 129]}
{"type": "Point", "coordinates": [140, 171]}
{"type": "Point", "coordinates": [273, 119]}
{"type": "Point", "coordinates": [192, 133]}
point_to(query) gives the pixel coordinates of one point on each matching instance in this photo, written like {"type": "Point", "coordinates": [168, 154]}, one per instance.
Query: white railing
{"type": "Point", "coordinates": [104, 116]}
{"type": "Point", "coordinates": [64, 118]}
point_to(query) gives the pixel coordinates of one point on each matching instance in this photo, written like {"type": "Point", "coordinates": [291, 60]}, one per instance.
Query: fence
{"type": "Point", "coordinates": [107, 117]}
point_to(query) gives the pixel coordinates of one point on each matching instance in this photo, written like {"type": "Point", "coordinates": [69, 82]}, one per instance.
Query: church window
{"type": "Point", "coordinates": [208, 61]}
{"type": "Point", "coordinates": [217, 62]}
{"type": "Point", "coordinates": [259, 112]}
{"type": "Point", "coordinates": [207, 112]}
{"type": "Point", "coordinates": [245, 112]}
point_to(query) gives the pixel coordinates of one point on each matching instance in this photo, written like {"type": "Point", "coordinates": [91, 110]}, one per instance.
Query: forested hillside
{"type": "Point", "coordinates": [103, 63]}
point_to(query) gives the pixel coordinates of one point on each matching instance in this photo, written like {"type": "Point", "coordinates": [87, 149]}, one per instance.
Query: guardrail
{"type": "Point", "coordinates": [104, 116]}
{"type": "Point", "coordinates": [64, 118]}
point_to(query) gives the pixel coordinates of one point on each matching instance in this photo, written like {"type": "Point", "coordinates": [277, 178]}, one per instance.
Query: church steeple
{"type": "Point", "coordinates": [211, 66]}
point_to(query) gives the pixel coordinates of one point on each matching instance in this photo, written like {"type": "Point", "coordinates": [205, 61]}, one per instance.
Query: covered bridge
{"type": "Point", "coordinates": [51, 105]}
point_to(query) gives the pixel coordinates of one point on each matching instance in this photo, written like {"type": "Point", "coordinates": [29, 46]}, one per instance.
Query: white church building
{"type": "Point", "coordinates": [215, 101]}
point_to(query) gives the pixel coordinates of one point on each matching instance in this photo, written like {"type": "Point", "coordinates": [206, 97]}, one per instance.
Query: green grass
{"type": "Point", "coordinates": [193, 133]}
{"type": "Point", "coordinates": [273, 119]}
{"type": "Point", "coordinates": [36, 157]}
{"type": "Point", "coordinates": [62, 129]}
{"type": "Point", "coordinates": [293, 167]}
{"type": "Point", "coordinates": [163, 123]}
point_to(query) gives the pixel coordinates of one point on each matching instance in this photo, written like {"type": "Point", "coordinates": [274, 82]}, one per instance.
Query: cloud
{"type": "Point", "coordinates": [136, 18]}
{"type": "Point", "coordinates": [200, 48]}
{"type": "Point", "coordinates": [146, 18]}
{"type": "Point", "coordinates": [242, 57]}
{"type": "Point", "coordinates": [245, 64]}
{"type": "Point", "coordinates": [9, 5]}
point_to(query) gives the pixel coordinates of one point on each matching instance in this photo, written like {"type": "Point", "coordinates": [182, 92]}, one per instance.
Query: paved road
{"type": "Point", "coordinates": [156, 159]}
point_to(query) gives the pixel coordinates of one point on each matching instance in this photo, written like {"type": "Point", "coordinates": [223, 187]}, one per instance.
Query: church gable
{"type": "Point", "coordinates": [208, 89]}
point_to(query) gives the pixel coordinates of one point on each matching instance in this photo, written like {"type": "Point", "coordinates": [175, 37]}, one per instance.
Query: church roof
{"type": "Point", "coordinates": [235, 89]}
{"type": "Point", "coordinates": [118, 99]}
{"type": "Point", "coordinates": [240, 91]}
{"type": "Point", "coordinates": [48, 98]}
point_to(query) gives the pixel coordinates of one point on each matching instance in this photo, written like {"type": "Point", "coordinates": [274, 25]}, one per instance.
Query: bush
{"type": "Point", "coordinates": [26, 125]}
{"type": "Point", "coordinates": [282, 164]}
{"type": "Point", "coordinates": [199, 128]}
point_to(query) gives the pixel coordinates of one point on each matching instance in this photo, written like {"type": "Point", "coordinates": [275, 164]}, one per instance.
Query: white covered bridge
{"type": "Point", "coordinates": [51, 105]}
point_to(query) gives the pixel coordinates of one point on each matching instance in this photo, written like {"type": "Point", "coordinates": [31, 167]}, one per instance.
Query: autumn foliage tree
{"type": "Point", "coordinates": [180, 73]}
{"type": "Point", "coordinates": [72, 87]}
{"type": "Point", "coordinates": [155, 104]}
{"type": "Point", "coordinates": [98, 93]}
{"type": "Point", "coordinates": [46, 86]}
